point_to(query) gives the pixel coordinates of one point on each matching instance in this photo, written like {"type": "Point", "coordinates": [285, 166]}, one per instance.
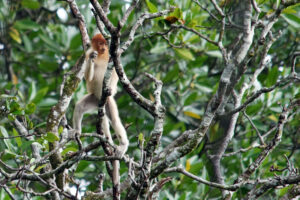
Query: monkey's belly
{"type": "Point", "coordinates": [95, 86]}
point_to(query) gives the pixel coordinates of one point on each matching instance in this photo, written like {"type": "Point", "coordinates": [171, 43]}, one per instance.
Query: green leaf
{"type": "Point", "coordinates": [293, 20]}
{"type": "Point", "coordinates": [48, 102]}
{"type": "Point", "coordinates": [27, 43]}
{"type": "Point", "coordinates": [159, 48]}
{"type": "Point", "coordinates": [297, 96]}
{"type": "Point", "coordinates": [48, 66]}
{"type": "Point", "coordinates": [203, 88]}
{"type": "Point", "coordinates": [260, 125]}
{"type": "Point", "coordinates": [60, 129]}
{"type": "Point", "coordinates": [40, 124]}
{"type": "Point", "coordinates": [141, 137]}
{"type": "Point", "coordinates": [82, 166]}
{"type": "Point", "coordinates": [26, 24]}
{"type": "Point", "coordinates": [50, 42]}
{"type": "Point", "coordinates": [7, 103]}
{"type": "Point", "coordinates": [5, 134]}
{"type": "Point", "coordinates": [161, 23]}
{"type": "Point", "coordinates": [40, 95]}
{"type": "Point", "coordinates": [15, 35]}
{"type": "Point", "coordinates": [11, 117]}
{"type": "Point", "coordinates": [184, 53]}
{"type": "Point", "coordinates": [192, 114]}
{"type": "Point", "coordinates": [191, 99]}
{"type": "Point", "coordinates": [215, 53]}
{"type": "Point", "coordinates": [51, 137]}
{"type": "Point", "coordinates": [14, 106]}
{"type": "Point", "coordinates": [152, 8]}
{"type": "Point", "coordinates": [18, 139]}
{"type": "Point", "coordinates": [75, 42]}
{"type": "Point", "coordinates": [193, 39]}
{"type": "Point", "coordinates": [289, 10]}
{"type": "Point", "coordinates": [171, 74]}
{"type": "Point", "coordinates": [68, 149]}
{"type": "Point", "coordinates": [30, 108]}
{"type": "Point", "coordinates": [6, 96]}
{"type": "Point", "coordinates": [32, 91]}
{"type": "Point", "coordinates": [32, 160]}
{"type": "Point", "coordinates": [30, 124]}
{"type": "Point", "coordinates": [177, 13]}
{"type": "Point", "coordinates": [18, 112]}
{"type": "Point", "coordinates": [38, 169]}
{"type": "Point", "coordinates": [254, 108]}
{"type": "Point", "coordinates": [31, 4]}
{"type": "Point", "coordinates": [272, 77]}
{"type": "Point", "coordinates": [10, 154]}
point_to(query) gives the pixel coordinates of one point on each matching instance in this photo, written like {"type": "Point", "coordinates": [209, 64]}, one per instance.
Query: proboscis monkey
{"type": "Point", "coordinates": [96, 66]}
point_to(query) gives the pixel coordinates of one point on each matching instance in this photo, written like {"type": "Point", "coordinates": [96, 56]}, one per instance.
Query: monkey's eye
{"type": "Point", "coordinates": [100, 43]}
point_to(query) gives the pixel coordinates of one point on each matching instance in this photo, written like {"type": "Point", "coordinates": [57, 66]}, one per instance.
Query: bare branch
{"type": "Point", "coordinates": [294, 63]}
{"type": "Point", "coordinates": [254, 4]}
{"type": "Point", "coordinates": [105, 5]}
{"type": "Point", "coordinates": [102, 14]}
{"type": "Point", "coordinates": [81, 23]}
{"type": "Point", "coordinates": [22, 130]}
{"type": "Point", "coordinates": [212, 184]}
{"type": "Point", "coordinates": [275, 141]}
{"type": "Point", "coordinates": [139, 23]}
{"type": "Point", "coordinates": [10, 194]}
{"type": "Point", "coordinates": [274, 183]}
{"type": "Point", "coordinates": [100, 25]}
{"type": "Point", "coordinates": [249, 100]}
{"type": "Point", "coordinates": [154, 193]}
{"type": "Point", "coordinates": [197, 33]}
{"type": "Point", "coordinates": [127, 13]}
{"type": "Point", "coordinates": [256, 130]}
{"type": "Point", "coordinates": [220, 11]}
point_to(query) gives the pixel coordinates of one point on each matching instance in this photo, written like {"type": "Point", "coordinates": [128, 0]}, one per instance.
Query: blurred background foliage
{"type": "Point", "coordinates": [40, 43]}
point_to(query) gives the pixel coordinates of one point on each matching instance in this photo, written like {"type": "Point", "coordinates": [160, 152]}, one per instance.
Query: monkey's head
{"type": "Point", "coordinates": [100, 45]}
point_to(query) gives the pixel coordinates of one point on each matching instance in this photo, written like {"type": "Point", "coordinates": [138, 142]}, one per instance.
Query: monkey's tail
{"type": "Point", "coordinates": [116, 179]}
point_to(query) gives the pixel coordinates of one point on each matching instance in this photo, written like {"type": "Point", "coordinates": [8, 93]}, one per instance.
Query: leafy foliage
{"type": "Point", "coordinates": [39, 47]}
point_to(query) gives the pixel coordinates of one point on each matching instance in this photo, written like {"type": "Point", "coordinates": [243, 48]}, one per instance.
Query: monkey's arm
{"type": "Point", "coordinates": [90, 65]}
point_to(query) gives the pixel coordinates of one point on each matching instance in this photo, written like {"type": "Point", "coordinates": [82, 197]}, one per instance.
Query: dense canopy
{"type": "Point", "coordinates": [208, 93]}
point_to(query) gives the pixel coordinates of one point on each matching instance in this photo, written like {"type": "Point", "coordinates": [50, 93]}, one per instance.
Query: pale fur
{"type": "Point", "coordinates": [94, 75]}
{"type": "Point", "coordinates": [94, 78]}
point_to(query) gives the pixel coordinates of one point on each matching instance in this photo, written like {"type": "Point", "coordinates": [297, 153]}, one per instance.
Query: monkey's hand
{"type": "Point", "coordinates": [93, 55]}
{"type": "Point", "coordinates": [89, 72]}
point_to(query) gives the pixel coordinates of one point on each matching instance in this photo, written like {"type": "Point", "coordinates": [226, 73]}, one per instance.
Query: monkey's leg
{"type": "Point", "coordinates": [87, 103]}
{"type": "Point", "coordinates": [113, 114]}
{"type": "Point", "coordinates": [105, 128]}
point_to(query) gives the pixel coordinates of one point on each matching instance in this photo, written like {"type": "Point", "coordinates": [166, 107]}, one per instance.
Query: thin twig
{"type": "Point", "coordinates": [197, 33]}
{"type": "Point", "coordinates": [139, 23]}
{"type": "Point", "coordinates": [294, 63]}
{"type": "Point", "coordinates": [249, 100]}
{"type": "Point", "coordinates": [10, 194]}
{"type": "Point", "coordinates": [256, 130]}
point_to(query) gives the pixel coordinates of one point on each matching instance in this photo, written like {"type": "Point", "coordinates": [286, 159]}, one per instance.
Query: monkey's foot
{"type": "Point", "coordinates": [73, 132]}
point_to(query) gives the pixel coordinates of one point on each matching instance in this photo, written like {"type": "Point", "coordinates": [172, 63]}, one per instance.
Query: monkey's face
{"type": "Point", "coordinates": [101, 48]}
{"type": "Point", "coordinates": [99, 44]}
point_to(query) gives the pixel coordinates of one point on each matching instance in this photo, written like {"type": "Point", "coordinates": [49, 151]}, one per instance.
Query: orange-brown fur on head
{"type": "Point", "coordinates": [94, 74]}
{"type": "Point", "coordinates": [100, 45]}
